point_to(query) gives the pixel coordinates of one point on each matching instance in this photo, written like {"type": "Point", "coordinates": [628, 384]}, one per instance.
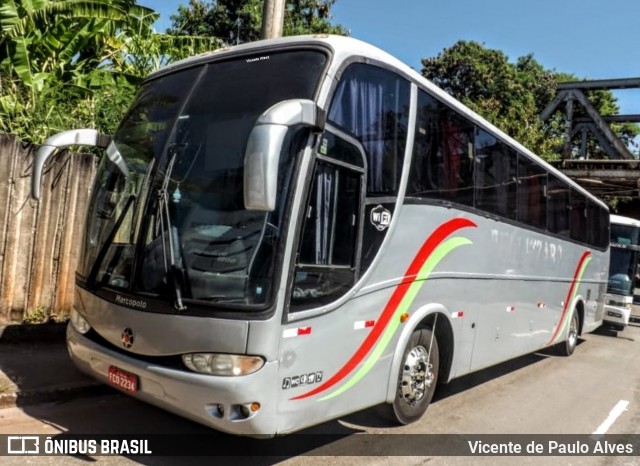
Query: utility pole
{"type": "Point", "coordinates": [272, 19]}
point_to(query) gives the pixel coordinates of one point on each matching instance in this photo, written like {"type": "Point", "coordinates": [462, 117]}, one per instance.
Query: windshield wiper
{"type": "Point", "coordinates": [174, 270]}
{"type": "Point", "coordinates": [91, 279]}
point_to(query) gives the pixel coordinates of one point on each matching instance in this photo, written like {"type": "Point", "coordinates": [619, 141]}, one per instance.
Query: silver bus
{"type": "Point", "coordinates": [284, 232]}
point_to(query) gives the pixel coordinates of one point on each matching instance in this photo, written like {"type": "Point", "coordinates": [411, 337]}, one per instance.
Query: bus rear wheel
{"type": "Point", "coordinates": [568, 346]}
{"type": "Point", "coordinates": [417, 377]}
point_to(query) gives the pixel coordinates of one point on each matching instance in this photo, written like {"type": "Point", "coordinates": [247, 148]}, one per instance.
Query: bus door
{"type": "Point", "coordinates": [318, 334]}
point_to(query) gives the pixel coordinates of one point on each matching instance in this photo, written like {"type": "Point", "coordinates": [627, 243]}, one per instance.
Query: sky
{"type": "Point", "coordinates": [592, 39]}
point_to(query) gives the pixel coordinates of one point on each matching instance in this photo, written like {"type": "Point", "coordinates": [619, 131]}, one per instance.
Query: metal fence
{"type": "Point", "coordinates": [39, 241]}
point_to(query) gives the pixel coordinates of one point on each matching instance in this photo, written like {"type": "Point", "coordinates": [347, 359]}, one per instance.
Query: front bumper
{"type": "Point", "coordinates": [615, 316]}
{"type": "Point", "coordinates": [216, 402]}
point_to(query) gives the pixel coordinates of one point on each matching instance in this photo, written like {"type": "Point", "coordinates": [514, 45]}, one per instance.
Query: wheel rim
{"type": "Point", "coordinates": [417, 375]}
{"type": "Point", "coordinates": [573, 331]}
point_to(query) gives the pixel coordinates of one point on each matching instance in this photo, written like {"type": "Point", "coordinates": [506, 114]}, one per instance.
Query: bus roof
{"type": "Point", "coordinates": [620, 220]}
{"type": "Point", "coordinates": [345, 47]}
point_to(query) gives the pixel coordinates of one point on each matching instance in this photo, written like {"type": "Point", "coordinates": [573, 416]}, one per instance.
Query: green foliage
{"type": "Point", "coordinates": [238, 21]}
{"type": "Point", "coordinates": [60, 106]}
{"type": "Point", "coordinates": [37, 316]}
{"type": "Point", "coordinates": [40, 315]}
{"type": "Point", "coordinates": [513, 95]}
{"type": "Point", "coordinates": [310, 17]}
{"type": "Point", "coordinates": [75, 63]}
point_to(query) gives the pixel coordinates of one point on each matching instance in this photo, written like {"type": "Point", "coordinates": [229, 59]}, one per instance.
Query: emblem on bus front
{"type": "Point", "coordinates": [127, 338]}
{"type": "Point", "coordinates": [380, 218]}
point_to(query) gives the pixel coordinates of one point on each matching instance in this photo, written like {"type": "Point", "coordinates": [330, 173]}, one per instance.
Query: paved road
{"type": "Point", "coordinates": [536, 394]}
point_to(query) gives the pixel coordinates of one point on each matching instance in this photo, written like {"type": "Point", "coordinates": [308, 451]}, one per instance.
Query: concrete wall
{"type": "Point", "coordinates": [40, 241]}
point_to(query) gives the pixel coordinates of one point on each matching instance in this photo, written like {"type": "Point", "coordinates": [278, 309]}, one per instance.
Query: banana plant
{"type": "Point", "coordinates": [39, 37]}
{"type": "Point", "coordinates": [70, 61]}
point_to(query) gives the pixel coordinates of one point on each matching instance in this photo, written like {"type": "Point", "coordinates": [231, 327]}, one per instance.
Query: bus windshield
{"type": "Point", "coordinates": [625, 234]}
{"type": "Point", "coordinates": [170, 221]}
{"type": "Point", "coordinates": [622, 271]}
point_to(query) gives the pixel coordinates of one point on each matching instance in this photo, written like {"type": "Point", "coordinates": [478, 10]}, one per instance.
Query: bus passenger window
{"type": "Point", "coordinates": [495, 179]}
{"type": "Point", "coordinates": [578, 224]}
{"type": "Point", "coordinates": [442, 165]}
{"type": "Point", "coordinates": [558, 206]}
{"type": "Point", "coordinates": [597, 232]}
{"type": "Point", "coordinates": [372, 104]}
{"type": "Point", "coordinates": [532, 191]}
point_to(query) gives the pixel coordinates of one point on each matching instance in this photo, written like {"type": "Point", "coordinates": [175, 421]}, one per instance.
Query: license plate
{"type": "Point", "coordinates": [123, 380]}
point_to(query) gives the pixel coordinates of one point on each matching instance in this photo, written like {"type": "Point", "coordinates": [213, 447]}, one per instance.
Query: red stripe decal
{"type": "Point", "coordinates": [567, 300]}
{"type": "Point", "coordinates": [439, 235]}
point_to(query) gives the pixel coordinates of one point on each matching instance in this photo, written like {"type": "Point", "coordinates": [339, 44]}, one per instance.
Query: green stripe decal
{"type": "Point", "coordinates": [425, 271]}
{"type": "Point", "coordinates": [356, 360]}
{"type": "Point", "coordinates": [566, 317]}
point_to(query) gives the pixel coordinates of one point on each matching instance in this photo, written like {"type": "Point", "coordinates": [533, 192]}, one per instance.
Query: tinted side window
{"type": "Point", "coordinates": [558, 207]}
{"type": "Point", "coordinates": [532, 201]}
{"type": "Point", "coordinates": [326, 258]}
{"type": "Point", "coordinates": [578, 217]}
{"type": "Point", "coordinates": [328, 236]}
{"type": "Point", "coordinates": [328, 252]}
{"type": "Point", "coordinates": [495, 176]}
{"type": "Point", "coordinates": [598, 221]}
{"type": "Point", "coordinates": [372, 104]}
{"type": "Point", "coordinates": [442, 166]}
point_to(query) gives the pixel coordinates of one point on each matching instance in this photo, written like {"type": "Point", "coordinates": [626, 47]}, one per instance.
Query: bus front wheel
{"type": "Point", "coordinates": [417, 377]}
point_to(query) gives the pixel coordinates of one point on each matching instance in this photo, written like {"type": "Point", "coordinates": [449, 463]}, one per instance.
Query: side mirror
{"type": "Point", "coordinates": [75, 137]}
{"type": "Point", "coordinates": [264, 146]}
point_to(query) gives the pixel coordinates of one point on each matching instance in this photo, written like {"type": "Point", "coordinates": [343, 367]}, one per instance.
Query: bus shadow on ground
{"type": "Point", "coordinates": [608, 332]}
{"type": "Point", "coordinates": [332, 438]}
{"type": "Point", "coordinates": [371, 418]}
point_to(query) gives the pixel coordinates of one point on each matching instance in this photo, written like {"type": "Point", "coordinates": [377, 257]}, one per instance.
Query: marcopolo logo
{"type": "Point", "coordinates": [136, 303]}
{"type": "Point", "coordinates": [127, 338]}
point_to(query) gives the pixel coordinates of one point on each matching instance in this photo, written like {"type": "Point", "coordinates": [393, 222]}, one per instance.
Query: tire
{"type": "Point", "coordinates": [417, 378]}
{"type": "Point", "coordinates": [567, 347]}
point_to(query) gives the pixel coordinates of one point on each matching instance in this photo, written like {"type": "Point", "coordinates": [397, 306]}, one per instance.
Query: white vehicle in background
{"type": "Point", "coordinates": [625, 248]}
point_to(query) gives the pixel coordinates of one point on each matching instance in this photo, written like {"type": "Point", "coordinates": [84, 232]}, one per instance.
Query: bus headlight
{"type": "Point", "coordinates": [78, 322]}
{"type": "Point", "coordinates": [222, 364]}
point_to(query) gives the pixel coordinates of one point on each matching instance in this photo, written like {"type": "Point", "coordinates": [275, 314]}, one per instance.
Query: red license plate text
{"type": "Point", "coordinates": [123, 380]}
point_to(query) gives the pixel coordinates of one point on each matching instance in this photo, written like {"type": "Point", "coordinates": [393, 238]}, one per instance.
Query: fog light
{"type": "Point", "coordinates": [241, 412]}
{"type": "Point", "coordinates": [78, 322]}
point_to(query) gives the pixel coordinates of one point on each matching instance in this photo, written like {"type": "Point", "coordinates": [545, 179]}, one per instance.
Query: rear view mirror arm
{"type": "Point", "coordinates": [75, 137]}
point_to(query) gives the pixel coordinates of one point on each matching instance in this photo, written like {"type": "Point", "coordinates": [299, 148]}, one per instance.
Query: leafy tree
{"type": "Point", "coordinates": [512, 95]}
{"type": "Point", "coordinates": [72, 63]}
{"type": "Point", "coordinates": [310, 17]}
{"type": "Point", "coordinates": [46, 39]}
{"type": "Point", "coordinates": [238, 21]}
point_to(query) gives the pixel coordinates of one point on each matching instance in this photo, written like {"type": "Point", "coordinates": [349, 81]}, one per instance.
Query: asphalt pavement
{"type": "Point", "coordinates": [35, 367]}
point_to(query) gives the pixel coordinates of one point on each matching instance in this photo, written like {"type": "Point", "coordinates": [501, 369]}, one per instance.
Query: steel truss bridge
{"type": "Point", "coordinates": [617, 175]}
